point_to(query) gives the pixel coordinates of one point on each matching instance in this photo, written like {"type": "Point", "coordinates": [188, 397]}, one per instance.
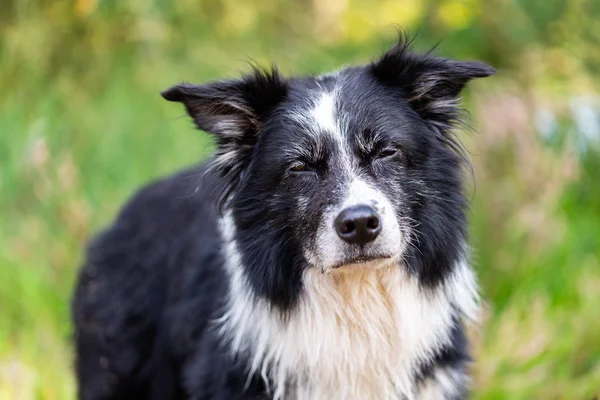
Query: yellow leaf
{"type": "Point", "coordinates": [85, 7]}
{"type": "Point", "coordinates": [457, 14]}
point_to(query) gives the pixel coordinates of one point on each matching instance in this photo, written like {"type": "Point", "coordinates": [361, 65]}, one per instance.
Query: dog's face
{"type": "Point", "coordinates": [333, 169]}
{"type": "Point", "coordinates": [357, 169]}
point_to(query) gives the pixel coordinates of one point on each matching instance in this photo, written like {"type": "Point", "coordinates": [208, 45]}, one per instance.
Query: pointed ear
{"type": "Point", "coordinates": [233, 111]}
{"type": "Point", "coordinates": [432, 85]}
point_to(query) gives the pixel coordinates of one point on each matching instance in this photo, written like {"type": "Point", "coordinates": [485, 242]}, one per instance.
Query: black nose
{"type": "Point", "coordinates": [358, 225]}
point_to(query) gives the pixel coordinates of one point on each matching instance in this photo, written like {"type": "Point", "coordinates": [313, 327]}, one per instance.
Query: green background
{"type": "Point", "coordinates": [82, 125]}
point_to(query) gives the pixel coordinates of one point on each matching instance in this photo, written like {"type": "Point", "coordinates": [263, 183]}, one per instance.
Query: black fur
{"type": "Point", "coordinates": [153, 282]}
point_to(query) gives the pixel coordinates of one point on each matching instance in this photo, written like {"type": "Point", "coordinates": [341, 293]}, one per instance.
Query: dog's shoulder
{"type": "Point", "coordinates": [141, 275]}
{"type": "Point", "coordinates": [160, 200]}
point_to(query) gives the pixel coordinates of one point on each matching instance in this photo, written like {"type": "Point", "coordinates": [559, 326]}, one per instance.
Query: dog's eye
{"type": "Point", "coordinates": [298, 166]}
{"type": "Point", "coordinates": [387, 152]}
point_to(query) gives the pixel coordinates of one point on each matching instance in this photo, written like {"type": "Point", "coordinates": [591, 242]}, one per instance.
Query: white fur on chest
{"type": "Point", "coordinates": [353, 335]}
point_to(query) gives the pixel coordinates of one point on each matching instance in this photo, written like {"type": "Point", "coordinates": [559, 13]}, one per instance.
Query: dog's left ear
{"type": "Point", "coordinates": [431, 85]}
{"type": "Point", "coordinates": [233, 111]}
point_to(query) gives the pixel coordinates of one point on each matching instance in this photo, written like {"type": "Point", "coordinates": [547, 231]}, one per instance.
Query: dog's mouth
{"type": "Point", "coordinates": [365, 261]}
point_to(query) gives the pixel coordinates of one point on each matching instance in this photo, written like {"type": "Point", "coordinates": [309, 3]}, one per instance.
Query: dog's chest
{"type": "Point", "coordinates": [353, 336]}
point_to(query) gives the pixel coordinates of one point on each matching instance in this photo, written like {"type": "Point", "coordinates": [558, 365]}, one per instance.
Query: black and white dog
{"type": "Point", "coordinates": [320, 254]}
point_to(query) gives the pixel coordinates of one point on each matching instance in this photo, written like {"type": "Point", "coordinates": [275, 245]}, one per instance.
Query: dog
{"type": "Point", "coordinates": [320, 253]}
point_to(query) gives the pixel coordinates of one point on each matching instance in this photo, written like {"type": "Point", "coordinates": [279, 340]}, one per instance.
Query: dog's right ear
{"type": "Point", "coordinates": [233, 111]}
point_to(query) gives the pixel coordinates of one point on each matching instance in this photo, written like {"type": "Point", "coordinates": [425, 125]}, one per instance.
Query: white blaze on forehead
{"type": "Point", "coordinates": [323, 113]}
{"type": "Point", "coordinates": [320, 118]}
{"type": "Point", "coordinates": [323, 119]}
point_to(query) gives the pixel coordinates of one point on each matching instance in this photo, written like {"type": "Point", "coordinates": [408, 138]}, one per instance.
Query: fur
{"type": "Point", "coordinates": [230, 280]}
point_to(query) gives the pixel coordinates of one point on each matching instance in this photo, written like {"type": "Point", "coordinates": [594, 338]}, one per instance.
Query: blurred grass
{"type": "Point", "coordinates": [82, 125]}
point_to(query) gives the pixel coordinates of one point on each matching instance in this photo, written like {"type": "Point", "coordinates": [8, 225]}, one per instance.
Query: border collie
{"type": "Point", "coordinates": [319, 254]}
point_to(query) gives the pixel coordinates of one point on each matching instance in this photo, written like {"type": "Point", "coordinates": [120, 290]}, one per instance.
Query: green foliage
{"type": "Point", "coordinates": [82, 126]}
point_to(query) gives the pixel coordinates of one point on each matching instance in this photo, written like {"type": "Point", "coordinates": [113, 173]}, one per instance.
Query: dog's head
{"type": "Point", "coordinates": [356, 169]}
